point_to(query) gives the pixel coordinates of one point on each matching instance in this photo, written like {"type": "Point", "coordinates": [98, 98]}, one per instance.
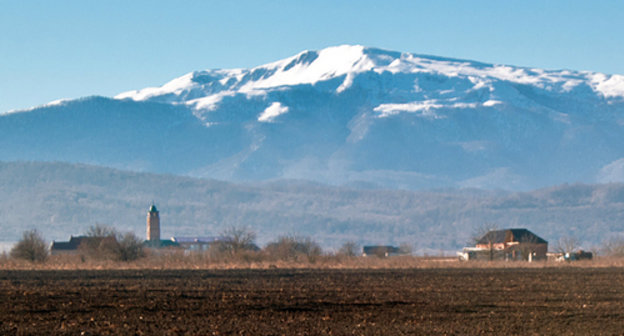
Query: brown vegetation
{"type": "Point", "coordinates": [107, 249]}
{"type": "Point", "coordinates": [614, 247]}
{"type": "Point", "coordinates": [179, 259]}
{"type": "Point", "coordinates": [106, 243]}
{"type": "Point", "coordinates": [349, 249]}
{"type": "Point", "coordinates": [31, 247]}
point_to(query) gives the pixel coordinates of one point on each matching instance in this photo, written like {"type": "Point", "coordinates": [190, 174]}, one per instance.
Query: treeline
{"type": "Point", "coordinates": [237, 244]}
{"type": "Point", "coordinates": [103, 243]}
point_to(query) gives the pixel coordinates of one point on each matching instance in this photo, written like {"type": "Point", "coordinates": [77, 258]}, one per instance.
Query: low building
{"type": "Point", "coordinates": [160, 244]}
{"type": "Point", "coordinates": [508, 244]}
{"type": "Point", "coordinates": [196, 243]}
{"type": "Point", "coordinates": [380, 250]}
{"type": "Point", "coordinates": [74, 243]}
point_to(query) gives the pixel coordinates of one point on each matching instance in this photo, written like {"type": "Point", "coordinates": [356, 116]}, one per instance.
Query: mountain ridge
{"type": "Point", "coordinates": [349, 114]}
{"type": "Point", "coordinates": [362, 59]}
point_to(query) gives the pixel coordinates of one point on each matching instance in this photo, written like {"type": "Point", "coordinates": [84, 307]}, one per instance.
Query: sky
{"type": "Point", "coordinates": [69, 49]}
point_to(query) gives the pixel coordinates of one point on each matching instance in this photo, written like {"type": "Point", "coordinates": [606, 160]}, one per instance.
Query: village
{"type": "Point", "coordinates": [514, 244]}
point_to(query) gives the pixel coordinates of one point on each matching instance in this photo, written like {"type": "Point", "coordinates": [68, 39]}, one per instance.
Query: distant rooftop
{"type": "Point", "coordinates": [73, 243]}
{"type": "Point", "coordinates": [200, 240]}
{"type": "Point", "coordinates": [511, 235]}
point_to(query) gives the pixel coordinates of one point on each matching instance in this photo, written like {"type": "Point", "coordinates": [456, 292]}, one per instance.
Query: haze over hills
{"type": "Point", "coordinates": [261, 147]}
{"type": "Point", "coordinates": [60, 199]}
{"type": "Point", "coordinates": [347, 115]}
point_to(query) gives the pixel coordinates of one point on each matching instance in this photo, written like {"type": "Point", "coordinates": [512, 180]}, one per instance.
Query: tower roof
{"type": "Point", "coordinates": [153, 208]}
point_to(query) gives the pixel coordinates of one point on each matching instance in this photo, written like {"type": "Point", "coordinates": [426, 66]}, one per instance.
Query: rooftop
{"type": "Point", "coordinates": [511, 235]}
{"type": "Point", "coordinates": [197, 240]}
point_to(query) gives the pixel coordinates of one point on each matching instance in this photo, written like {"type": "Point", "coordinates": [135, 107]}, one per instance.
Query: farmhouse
{"type": "Point", "coordinates": [508, 244]}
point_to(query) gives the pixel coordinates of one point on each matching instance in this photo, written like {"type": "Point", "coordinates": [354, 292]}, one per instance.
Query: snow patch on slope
{"type": "Point", "coordinates": [608, 86]}
{"type": "Point", "coordinates": [175, 86]}
{"type": "Point", "coordinates": [210, 102]}
{"type": "Point", "coordinates": [491, 103]}
{"type": "Point", "coordinates": [272, 112]}
{"type": "Point", "coordinates": [57, 102]}
{"type": "Point", "coordinates": [426, 108]}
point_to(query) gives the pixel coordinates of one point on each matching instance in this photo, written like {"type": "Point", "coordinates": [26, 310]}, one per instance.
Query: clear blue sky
{"type": "Point", "coordinates": [69, 49]}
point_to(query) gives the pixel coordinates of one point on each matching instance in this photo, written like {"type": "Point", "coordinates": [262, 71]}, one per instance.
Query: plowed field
{"type": "Point", "coordinates": [552, 301]}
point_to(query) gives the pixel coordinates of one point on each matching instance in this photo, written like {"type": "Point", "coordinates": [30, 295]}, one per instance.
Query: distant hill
{"type": "Point", "coordinates": [60, 199]}
{"type": "Point", "coordinates": [346, 115]}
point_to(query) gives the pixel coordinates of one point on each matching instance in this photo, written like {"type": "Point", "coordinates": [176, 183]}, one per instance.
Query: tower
{"type": "Point", "coordinates": [153, 225]}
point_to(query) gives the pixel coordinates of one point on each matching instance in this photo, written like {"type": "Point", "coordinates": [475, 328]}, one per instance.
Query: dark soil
{"type": "Point", "coordinates": [560, 301]}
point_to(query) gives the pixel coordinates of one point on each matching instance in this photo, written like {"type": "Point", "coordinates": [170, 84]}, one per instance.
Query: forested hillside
{"type": "Point", "coordinates": [60, 199]}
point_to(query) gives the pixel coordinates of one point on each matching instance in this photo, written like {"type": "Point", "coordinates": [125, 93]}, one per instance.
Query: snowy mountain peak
{"type": "Point", "coordinates": [310, 67]}
{"type": "Point", "coordinates": [205, 89]}
{"type": "Point", "coordinates": [307, 67]}
{"type": "Point", "coordinates": [350, 114]}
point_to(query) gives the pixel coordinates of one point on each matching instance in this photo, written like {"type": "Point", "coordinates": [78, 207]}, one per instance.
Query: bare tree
{"type": "Point", "coordinates": [121, 247]}
{"type": "Point", "coordinates": [294, 248]}
{"type": "Point", "coordinates": [614, 247]}
{"type": "Point", "coordinates": [480, 234]}
{"type": "Point", "coordinates": [349, 249]}
{"type": "Point", "coordinates": [567, 244]}
{"type": "Point", "coordinates": [32, 247]}
{"type": "Point", "coordinates": [129, 247]}
{"type": "Point", "coordinates": [405, 248]}
{"type": "Point", "coordinates": [105, 242]}
{"type": "Point", "coordinates": [101, 231]}
{"type": "Point", "coordinates": [237, 239]}
{"type": "Point", "coordinates": [100, 242]}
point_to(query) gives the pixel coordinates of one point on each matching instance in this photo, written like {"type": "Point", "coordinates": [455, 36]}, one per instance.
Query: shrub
{"type": "Point", "coordinates": [129, 247]}
{"type": "Point", "coordinates": [567, 244]}
{"type": "Point", "coordinates": [237, 239]}
{"type": "Point", "coordinates": [349, 249]}
{"type": "Point", "coordinates": [104, 242]}
{"type": "Point", "coordinates": [405, 249]}
{"type": "Point", "coordinates": [237, 245]}
{"type": "Point", "coordinates": [614, 247]}
{"type": "Point", "coordinates": [294, 248]}
{"type": "Point", "coordinates": [100, 242]}
{"type": "Point", "coordinates": [100, 230]}
{"type": "Point", "coordinates": [32, 247]}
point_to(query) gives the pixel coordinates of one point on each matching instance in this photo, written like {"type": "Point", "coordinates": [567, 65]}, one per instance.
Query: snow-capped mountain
{"type": "Point", "coordinates": [347, 114]}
